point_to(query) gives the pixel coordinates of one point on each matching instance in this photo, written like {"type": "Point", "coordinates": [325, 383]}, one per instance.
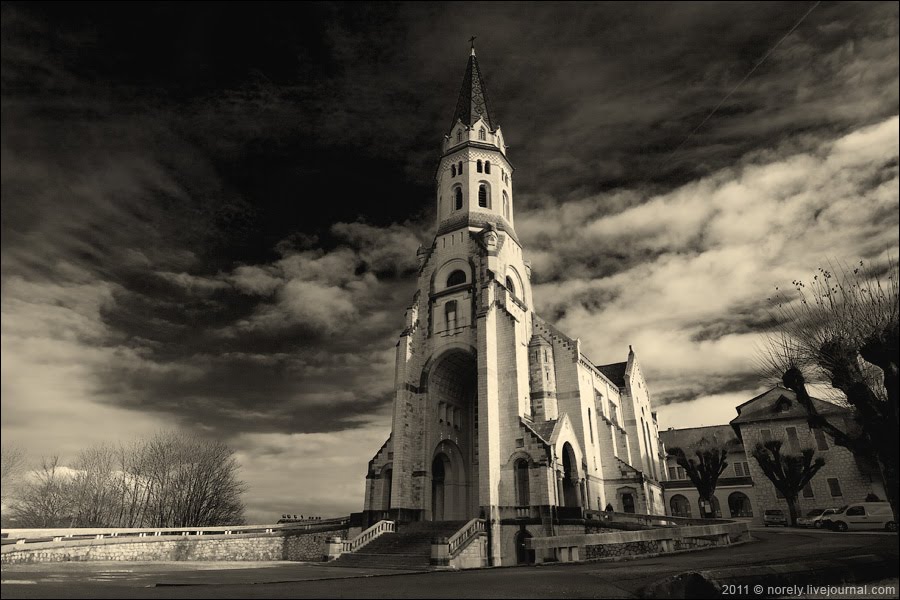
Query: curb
{"type": "Point", "coordinates": [767, 581]}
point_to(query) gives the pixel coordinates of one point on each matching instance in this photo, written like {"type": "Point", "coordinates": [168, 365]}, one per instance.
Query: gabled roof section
{"type": "Point", "coordinates": [615, 372]}
{"type": "Point", "coordinates": [473, 100]}
{"type": "Point", "coordinates": [780, 403]}
{"type": "Point", "coordinates": [542, 429]}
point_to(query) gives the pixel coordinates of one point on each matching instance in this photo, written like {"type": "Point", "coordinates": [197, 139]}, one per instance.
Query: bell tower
{"type": "Point", "coordinates": [474, 177]}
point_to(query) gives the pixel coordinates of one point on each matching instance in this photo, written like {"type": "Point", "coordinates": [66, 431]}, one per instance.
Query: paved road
{"type": "Point", "coordinates": [293, 580]}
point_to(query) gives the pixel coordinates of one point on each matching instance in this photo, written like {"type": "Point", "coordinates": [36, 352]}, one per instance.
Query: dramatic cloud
{"type": "Point", "coordinates": [219, 231]}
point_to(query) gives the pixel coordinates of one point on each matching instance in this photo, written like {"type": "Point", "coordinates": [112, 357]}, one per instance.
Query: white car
{"type": "Point", "coordinates": [863, 515]}
{"type": "Point", "coordinates": [815, 517]}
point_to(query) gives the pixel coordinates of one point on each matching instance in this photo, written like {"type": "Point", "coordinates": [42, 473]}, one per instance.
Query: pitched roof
{"type": "Point", "coordinates": [615, 372]}
{"type": "Point", "coordinates": [690, 436]}
{"type": "Point", "coordinates": [473, 100]}
{"type": "Point", "coordinates": [780, 403]}
{"type": "Point", "coordinates": [543, 429]}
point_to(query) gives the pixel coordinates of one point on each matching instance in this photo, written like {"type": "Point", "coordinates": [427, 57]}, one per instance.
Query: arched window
{"type": "Point", "coordinates": [487, 167]}
{"type": "Point", "coordinates": [510, 285]}
{"type": "Point", "coordinates": [450, 314]}
{"type": "Point", "coordinates": [456, 278]}
{"type": "Point", "coordinates": [483, 198]}
{"type": "Point", "coordinates": [459, 135]}
{"type": "Point", "coordinates": [680, 506]}
{"type": "Point", "coordinates": [452, 170]}
{"type": "Point", "coordinates": [458, 198]}
{"type": "Point", "coordinates": [739, 505]}
{"type": "Point", "coordinates": [505, 205]}
{"type": "Point", "coordinates": [478, 166]}
{"type": "Point", "coordinates": [523, 492]}
{"type": "Point", "coordinates": [482, 134]}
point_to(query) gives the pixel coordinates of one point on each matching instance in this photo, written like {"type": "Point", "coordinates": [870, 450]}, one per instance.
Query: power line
{"type": "Point", "coordinates": [749, 73]}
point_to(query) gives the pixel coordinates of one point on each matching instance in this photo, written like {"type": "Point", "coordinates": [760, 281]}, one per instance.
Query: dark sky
{"type": "Point", "coordinates": [210, 211]}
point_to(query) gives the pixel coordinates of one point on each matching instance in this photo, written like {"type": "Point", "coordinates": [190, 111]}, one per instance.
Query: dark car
{"type": "Point", "coordinates": [775, 516]}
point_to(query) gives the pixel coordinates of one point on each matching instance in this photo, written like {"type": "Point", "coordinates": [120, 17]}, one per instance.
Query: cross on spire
{"type": "Point", "coordinates": [472, 41]}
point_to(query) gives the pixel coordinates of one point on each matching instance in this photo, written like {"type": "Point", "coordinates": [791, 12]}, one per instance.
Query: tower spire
{"type": "Point", "coordinates": [473, 101]}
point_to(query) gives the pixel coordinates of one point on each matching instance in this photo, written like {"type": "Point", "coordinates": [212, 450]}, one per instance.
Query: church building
{"type": "Point", "coordinates": [498, 414]}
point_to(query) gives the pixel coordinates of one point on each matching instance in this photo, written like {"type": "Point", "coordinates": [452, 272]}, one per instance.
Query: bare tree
{"type": "Point", "coordinates": [789, 473]}
{"type": "Point", "coordinates": [45, 497]}
{"type": "Point", "coordinates": [843, 329]}
{"type": "Point", "coordinates": [12, 466]}
{"type": "Point", "coordinates": [169, 480]}
{"type": "Point", "coordinates": [704, 471]}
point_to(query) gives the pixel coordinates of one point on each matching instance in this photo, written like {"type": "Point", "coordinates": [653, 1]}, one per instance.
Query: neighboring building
{"type": "Point", "coordinates": [498, 414]}
{"type": "Point", "coordinates": [774, 414]}
{"type": "Point", "coordinates": [734, 493]}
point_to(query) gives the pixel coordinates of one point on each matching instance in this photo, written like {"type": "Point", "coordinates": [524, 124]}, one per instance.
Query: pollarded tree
{"type": "Point", "coordinates": [703, 466]}
{"type": "Point", "coordinates": [789, 473]}
{"type": "Point", "coordinates": [843, 329]}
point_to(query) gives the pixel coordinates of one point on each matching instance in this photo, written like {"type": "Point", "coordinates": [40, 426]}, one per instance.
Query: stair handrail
{"type": "Point", "coordinates": [368, 535]}
{"type": "Point", "coordinates": [460, 539]}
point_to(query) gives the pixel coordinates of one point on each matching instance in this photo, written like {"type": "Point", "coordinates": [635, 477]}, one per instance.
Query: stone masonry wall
{"type": "Point", "coordinates": [249, 547]}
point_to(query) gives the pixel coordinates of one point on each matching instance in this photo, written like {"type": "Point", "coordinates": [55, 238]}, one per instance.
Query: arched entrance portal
{"type": "Point", "coordinates": [452, 391]}
{"type": "Point", "coordinates": [524, 556]}
{"type": "Point", "coordinates": [571, 495]}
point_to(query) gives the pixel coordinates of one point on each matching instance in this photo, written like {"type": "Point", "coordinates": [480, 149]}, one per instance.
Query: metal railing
{"type": "Point", "coordinates": [379, 528]}
{"type": "Point", "coordinates": [459, 540]}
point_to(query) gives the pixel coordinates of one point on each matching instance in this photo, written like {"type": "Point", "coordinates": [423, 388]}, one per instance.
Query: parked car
{"type": "Point", "coordinates": [819, 521]}
{"type": "Point", "coordinates": [814, 517]}
{"type": "Point", "coordinates": [775, 516]}
{"type": "Point", "coordinates": [809, 518]}
{"type": "Point", "coordinates": [863, 515]}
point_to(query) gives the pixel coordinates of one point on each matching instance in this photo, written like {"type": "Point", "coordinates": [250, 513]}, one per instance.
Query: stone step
{"type": "Point", "coordinates": [408, 548]}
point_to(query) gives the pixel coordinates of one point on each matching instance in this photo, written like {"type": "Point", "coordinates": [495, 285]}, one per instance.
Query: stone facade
{"type": "Point", "coordinates": [774, 414]}
{"type": "Point", "coordinates": [249, 547]}
{"type": "Point", "coordinates": [495, 409]}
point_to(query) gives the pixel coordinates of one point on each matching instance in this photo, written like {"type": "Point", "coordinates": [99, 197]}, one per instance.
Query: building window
{"type": "Point", "coordinates": [483, 199]}
{"type": "Point", "coordinates": [456, 278]}
{"type": "Point", "coordinates": [452, 170]}
{"type": "Point", "coordinates": [458, 199]}
{"type": "Point", "coordinates": [590, 421]}
{"type": "Point", "coordinates": [821, 442]}
{"type": "Point", "coordinates": [680, 506]}
{"type": "Point", "coordinates": [741, 469]}
{"type": "Point", "coordinates": [682, 474]}
{"type": "Point", "coordinates": [808, 491]}
{"type": "Point", "coordinates": [450, 314]}
{"type": "Point", "coordinates": [834, 486]}
{"type": "Point", "coordinates": [510, 286]}
{"type": "Point", "coordinates": [672, 473]}
{"type": "Point", "coordinates": [482, 134]}
{"type": "Point", "coordinates": [765, 434]}
{"type": "Point", "coordinates": [739, 505]}
{"type": "Point", "coordinates": [505, 205]}
{"type": "Point", "coordinates": [487, 167]}
{"type": "Point", "coordinates": [523, 493]}
{"type": "Point", "coordinates": [459, 167]}
{"type": "Point", "coordinates": [479, 166]}
{"type": "Point", "coordinates": [793, 440]}
{"type": "Point", "coordinates": [459, 135]}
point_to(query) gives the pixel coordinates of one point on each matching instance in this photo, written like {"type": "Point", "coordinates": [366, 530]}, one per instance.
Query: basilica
{"type": "Point", "coordinates": [498, 414]}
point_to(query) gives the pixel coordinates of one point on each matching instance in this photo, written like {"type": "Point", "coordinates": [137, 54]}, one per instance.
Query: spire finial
{"type": "Point", "coordinates": [472, 41]}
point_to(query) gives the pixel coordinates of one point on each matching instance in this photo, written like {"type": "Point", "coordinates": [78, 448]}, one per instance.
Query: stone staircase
{"type": "Point", "coordinates": [408, 548]}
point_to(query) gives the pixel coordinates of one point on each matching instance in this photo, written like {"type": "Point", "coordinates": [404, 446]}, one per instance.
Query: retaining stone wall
{"type": "Point", "coordinates": [249, 547]}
